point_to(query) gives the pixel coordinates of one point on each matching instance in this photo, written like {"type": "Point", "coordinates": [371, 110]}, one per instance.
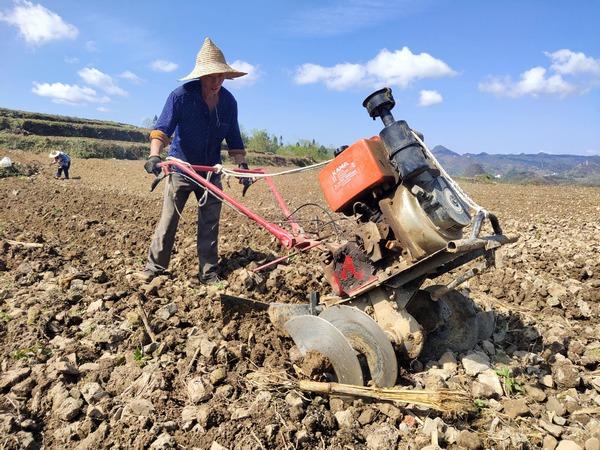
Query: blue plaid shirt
{"type": "Point", "coordinates": [63, 160]}
{"type": "Point", "coordinates": [196, 132]}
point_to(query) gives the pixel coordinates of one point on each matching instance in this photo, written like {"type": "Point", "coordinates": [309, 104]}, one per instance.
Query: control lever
{"type": "Point", "coordinates": [156, 181]}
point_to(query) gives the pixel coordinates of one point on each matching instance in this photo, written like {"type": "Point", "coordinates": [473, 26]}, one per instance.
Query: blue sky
{"type": "Point", "coordinates": [499, 77]}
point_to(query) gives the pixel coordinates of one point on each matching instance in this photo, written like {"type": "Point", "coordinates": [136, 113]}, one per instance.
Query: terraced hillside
{"type": "Point", "coordinates": [84, 138]}
{"type": "Point", "coordinates": [89, 138]}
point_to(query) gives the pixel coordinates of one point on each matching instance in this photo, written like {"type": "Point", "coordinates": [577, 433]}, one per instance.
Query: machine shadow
{"type": "Point", "coordinates": [243, 258]}
{"type": "Point", "coordinates": [462, 326]}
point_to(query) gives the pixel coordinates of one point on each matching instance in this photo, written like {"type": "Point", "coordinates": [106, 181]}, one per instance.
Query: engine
{"type": "Point", "coordinates": [404, 207]}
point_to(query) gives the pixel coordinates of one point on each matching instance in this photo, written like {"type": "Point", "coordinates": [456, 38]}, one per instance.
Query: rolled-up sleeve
{"type": "Point", "coordinates": [166, 123]}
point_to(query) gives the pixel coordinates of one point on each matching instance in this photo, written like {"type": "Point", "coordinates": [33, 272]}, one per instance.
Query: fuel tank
{"type": "Point", "coordinates": [355, 173]}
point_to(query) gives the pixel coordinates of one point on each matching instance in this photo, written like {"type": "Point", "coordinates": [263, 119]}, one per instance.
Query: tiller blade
{"type": "Point", "coordinates": [365, 336]}
{"type": "Point", "coordinates": [315, 333]}
{"type": "Point", "coordinates": [339, 333]}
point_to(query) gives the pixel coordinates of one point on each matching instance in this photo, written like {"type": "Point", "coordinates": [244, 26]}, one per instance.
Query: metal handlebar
{"type": "Point", "coordinates": [157, 181]}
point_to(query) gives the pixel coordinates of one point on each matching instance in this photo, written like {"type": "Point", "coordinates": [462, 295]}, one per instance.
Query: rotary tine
{"type": "Point", "coordinates": [365, 336]}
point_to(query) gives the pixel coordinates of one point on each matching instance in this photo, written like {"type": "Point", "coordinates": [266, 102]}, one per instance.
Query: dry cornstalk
{"type": "Point", "coordinates": [444, 400]}
{"type": "Point", "coordinates": [24, 244]}
{"type": "Point", "coordinates": [194, 357]}
{"type": "Point", "coordinates": [144, 317]}
{"type": "Point", "coordinates": [583, 411]}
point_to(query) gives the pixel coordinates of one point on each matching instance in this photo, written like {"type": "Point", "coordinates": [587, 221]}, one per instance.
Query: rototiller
{"type": "Point", "coordinates": [410, 226]}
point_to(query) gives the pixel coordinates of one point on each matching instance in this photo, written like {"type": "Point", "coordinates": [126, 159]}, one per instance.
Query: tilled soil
{"type": "Point", "coordinates": [79, 368]}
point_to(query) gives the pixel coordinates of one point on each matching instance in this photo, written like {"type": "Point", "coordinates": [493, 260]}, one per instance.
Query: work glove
{"type": "Point", "coordinates": [247, 182]}
{"type": "Point", "coordinates": [151, 165]}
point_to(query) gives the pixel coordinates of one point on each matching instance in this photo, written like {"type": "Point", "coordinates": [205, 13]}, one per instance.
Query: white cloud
{"type": "Point", "coordinates": [567, 62]}
{"type": "Point", "coordinates": [252, 71]}
{"type": "Point", "coordinates": [37, 24]}
{"type": "Point", "coordinates": [339, 77]}
{"type": "Point", "coordinates": [71, 59]}
{"type": "Point", "coordinates": [130, 76]}
{"type": "Point", "coordinates": [160, 65]}
{"type": "Point", "coordinates": [399, 68]}
{"type": "Point", "coordinates": [402, 67]}
{"type": "Point", "coordinates": [91, 46]}
{"type": "Point", "coordinates": [102, 109]}
{"type": "Point", "coordinates": [496, 85]}
{"type": "Point", "coordinates": [533, 82]}
{"type": "Point", "coordinates": [428, 98]}
{"type": "Point", "coordinates": [70, 94]}
{"type": "Point", "coordinates": [569, 73]}
{"type": "Point", "coordinates": [96, 78]}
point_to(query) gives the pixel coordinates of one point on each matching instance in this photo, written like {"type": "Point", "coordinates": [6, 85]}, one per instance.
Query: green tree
{"type": "Point", "coordinates": [245, 137]}
{"type": "Point", "coordinates": [262, 142]}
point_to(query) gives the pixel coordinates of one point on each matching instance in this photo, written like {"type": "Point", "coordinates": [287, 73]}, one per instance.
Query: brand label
{"type": "Point", "coordinates": [343, 174]}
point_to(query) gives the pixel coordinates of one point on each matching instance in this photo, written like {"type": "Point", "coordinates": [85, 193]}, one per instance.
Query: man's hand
{"type": "Point", "coordinates": [247, 182]}
{"type": "Point", "coordinates": [151, 165]}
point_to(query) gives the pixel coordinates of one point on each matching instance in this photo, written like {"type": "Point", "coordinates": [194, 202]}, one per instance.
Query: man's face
{"type": "Point", "coordinates": [212, 83]}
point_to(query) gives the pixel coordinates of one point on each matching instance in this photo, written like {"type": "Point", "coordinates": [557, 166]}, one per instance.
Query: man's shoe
{"type": "Point", "coordinates": [146, 275]}
{"type": "Point", "coordinates": [209, 278]}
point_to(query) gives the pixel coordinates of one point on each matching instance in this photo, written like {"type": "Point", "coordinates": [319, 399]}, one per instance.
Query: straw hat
{"type": "Point", "coordinates": [54, 154]}
{"type": "Point", "coordinates": [210, 60]}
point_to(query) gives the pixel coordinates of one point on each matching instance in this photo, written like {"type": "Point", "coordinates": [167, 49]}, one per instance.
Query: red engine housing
{"type": "Point", "coordinates": [355, 172]}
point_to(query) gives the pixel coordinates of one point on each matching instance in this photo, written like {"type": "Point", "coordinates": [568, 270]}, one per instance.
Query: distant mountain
{"type": "Point", "coordinates": [539, 167]}
{"type": "Point", "coordinates": [443, 151]}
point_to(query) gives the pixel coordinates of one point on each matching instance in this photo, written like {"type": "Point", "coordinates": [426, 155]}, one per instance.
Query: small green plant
{"type": "Point", "coordinates": [139, 357]}
{"type": "Point", "coordinates": [36, 349]}
{"type": "Point", "coordinates": [20, 353]}
{"type": "Point", "coordinates": [511, 386]}
{"type": "Point", "coordinates": [480, 403]}
{"type": "Point", "coordinates": [4, 317]}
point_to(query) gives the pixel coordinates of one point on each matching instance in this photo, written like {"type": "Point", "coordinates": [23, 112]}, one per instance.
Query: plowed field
{"type": "Point", "coordinates": [79, 369]}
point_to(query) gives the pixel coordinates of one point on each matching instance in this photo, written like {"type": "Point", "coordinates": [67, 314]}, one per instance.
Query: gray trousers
{"type": "Point", "coordinates": [176, 194]}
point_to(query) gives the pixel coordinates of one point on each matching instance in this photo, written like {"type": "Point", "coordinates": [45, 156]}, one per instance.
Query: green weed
{"type": "Point", "coordinates": [36, 349]}
{"type": "Point", "coordinates": [480, 403]}
{"type": "Point", "coordinates": [140, 358]}
{"type": "Point", "coordinates": [511, 386]}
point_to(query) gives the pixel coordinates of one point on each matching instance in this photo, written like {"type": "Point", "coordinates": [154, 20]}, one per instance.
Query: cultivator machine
{"type": "Point", "coordinates": [411, 221]}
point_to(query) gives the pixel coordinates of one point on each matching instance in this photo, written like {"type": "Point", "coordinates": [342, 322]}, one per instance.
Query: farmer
{"type": "Point", "coordinates": [197, 116]}
{"type": "Point", "coordinates": [63, 161]}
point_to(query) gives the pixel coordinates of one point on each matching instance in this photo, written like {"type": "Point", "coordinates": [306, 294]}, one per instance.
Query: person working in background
{"type": "Point", "coordinates": [64, 163]}
{"type": "Point", "coordinates": [196, 118]}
